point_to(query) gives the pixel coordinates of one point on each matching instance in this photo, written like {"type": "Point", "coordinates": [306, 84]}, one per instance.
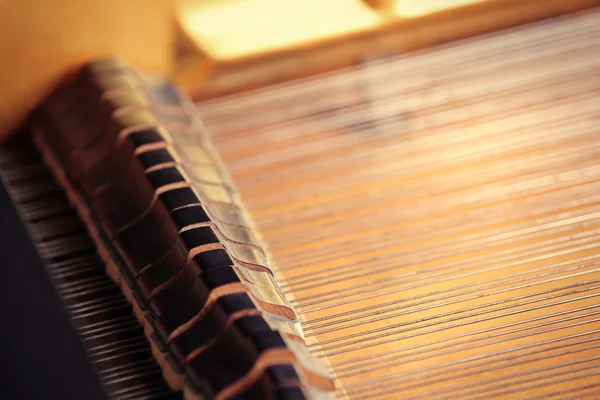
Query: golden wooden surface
{"type": "Point", "coordinates": [42, 40]}
{"type": "Point", "coordinates": [435, 217]}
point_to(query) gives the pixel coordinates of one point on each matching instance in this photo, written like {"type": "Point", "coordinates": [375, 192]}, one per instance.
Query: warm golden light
{"type": "Point", "coordinates": [237, 28]}
{"type": "Point", "coordinates": [411, 9]}
{"type": "Point", "coordinates": [233, 29]}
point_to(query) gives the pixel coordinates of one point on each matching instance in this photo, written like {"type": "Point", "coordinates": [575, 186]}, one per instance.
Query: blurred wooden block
{"type": "Point", "coordinates": [240, 44]}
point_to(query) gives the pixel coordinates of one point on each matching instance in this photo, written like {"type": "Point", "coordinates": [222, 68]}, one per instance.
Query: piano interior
{"type": "Point", "coordinates": [398, 203]}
